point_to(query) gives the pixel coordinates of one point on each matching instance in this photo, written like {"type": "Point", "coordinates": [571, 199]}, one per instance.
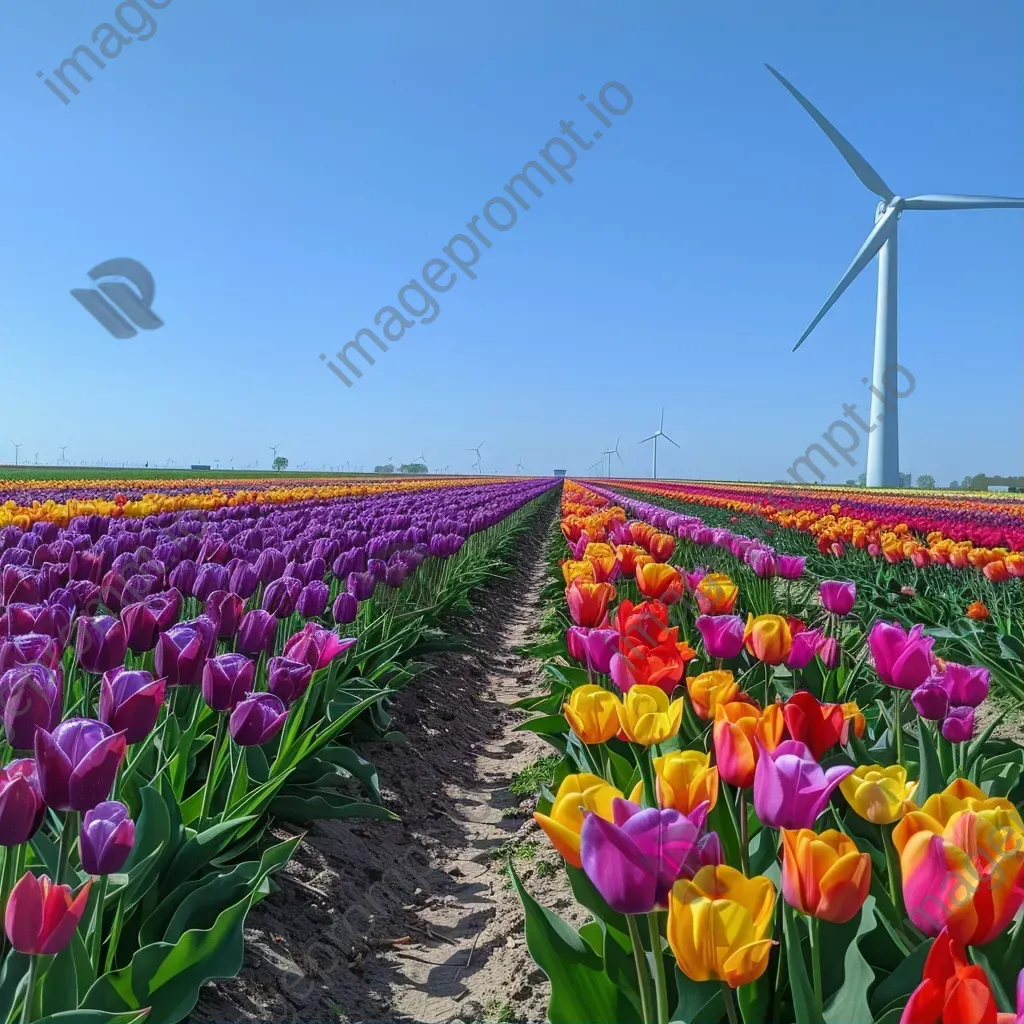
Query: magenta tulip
{"type": "Point", "coordinates": [790, 788]}
{"type": "Point", "coordinates": [958, 726]}
{"type": "Point", "coordinates": [902, 659]}
{"type": "Point", "coordinates": [21, 802]}
{"type": "Point", "coordinates": [837, 597]}
{"type": "Point", "coordinates": [722, 635]}
{"type": "Point", "coordinates": [931, 700]}
{"type": "Point", "coordinates": [791, 567]}
{"type": "Point", "coordinates": [316, 646]}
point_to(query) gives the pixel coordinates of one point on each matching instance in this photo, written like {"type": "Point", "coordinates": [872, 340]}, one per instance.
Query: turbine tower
{"type": "Point", "coordinates": [660, 432]}
{"type": "Point", "coordinates": [608, 455]}
{"type": "Point", "coordinates": [478, 465]}
{"type": "Point", "coordinates": [883, 469]}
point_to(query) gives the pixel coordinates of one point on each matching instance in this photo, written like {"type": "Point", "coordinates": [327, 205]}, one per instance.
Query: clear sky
{"type": "Point", "coordinates": [284, 169]}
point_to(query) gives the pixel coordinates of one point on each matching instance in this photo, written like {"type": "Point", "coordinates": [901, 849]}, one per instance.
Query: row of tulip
{"type": "Point", "coordinates": [893, 525]}
{"type": "Point", "coordinates": [168, 686]}
{"type": "Point", "coordinates": [22, 505]}
{"type": "Point", "coordinates": [738, 796]}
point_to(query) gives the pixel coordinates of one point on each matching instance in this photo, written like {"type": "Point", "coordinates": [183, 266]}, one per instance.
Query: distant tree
{"type": "Point", "coordinates": [280, 463]}
{"type": "Point", "coordinates": [387, 468]}
{"type": "Point", "coordinates": [926, 481]}
{"type": "Point", "coordinates": [862, 480]}
{"type": "Point", "coordinates": [413, 468]}
{"type": "Point", "coordinates": [905, 480]}
{"type": "Point", "coordinates": [954, 485]}
{"type": "Point", "coordinates": [968, 483]}
{"type": "Point", "coordinates": [851, 483]}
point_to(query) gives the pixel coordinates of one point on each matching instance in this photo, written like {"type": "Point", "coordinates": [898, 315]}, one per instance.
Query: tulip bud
{"type": "Point", "coordinates": [101, 643]}
{"type": "Point", "coordinates": [257, 719]}
{"type": "Point", "coordinates": [227, 609]}
{"type": "Point", "coordinates": [346, 607]}
{"type": "Point", "coordinates": [287, 678]}
{"type": "Point", "coordinates": [256, 633]}
{"type": "Point", "coordinates": [130, 702]}
{"type": "Point", "coordinates": [31, 697]}
{"type": "Point", "coordinates": [106, 838]}
{"type": "Point", "coordinates": [227, 678]}
{"type": "Point", "coordinates": [21, 802]}
{"type": "Point", "coordinates": [312, 602]}
{"type": "Point", "coordinates": [77, 763]}
{"type": "Point", "coordinates": [837, 597]}
{"type": "Point", "coordinates": [280, 596]}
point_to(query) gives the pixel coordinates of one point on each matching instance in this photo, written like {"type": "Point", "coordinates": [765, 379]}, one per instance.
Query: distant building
{"type": "Point", "coordinates": [998, 487]}
{"type": "Point", "coordinates": [559, 472]}
{"type": "Point", "coordinates": [200, 467]}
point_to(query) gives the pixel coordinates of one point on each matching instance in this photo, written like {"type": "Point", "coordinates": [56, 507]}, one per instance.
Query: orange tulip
{"type": "Point", "coordinates": [588, 602]}
{"type": "Point", "coordinates": [630, 556]}
{"type": "Point", "coordinates": [662, 666]}
{"type": "Point", "coordinates": [572, 570]}
{"type": "Point", "coordinates": [641, 533]}
{"type": "Point", "coordinates": [768, 638]}
{"type": "Point", "coordinates": [606, 568]}
{"type": "Point", "coordinates": [738, 728]}
{"type": "Point", "coordinates": [685, 780]}
{"type": "Point", "coordinates": [660, 581]}
{"type": "Point", "coordinates": [824, 875]}
{"type": "Point", "coordinates": [1014, 564]}
{"type": "Point", "coordinates": [710, 690]}
{"type": "Point", "coordinates": [996, 571]}
{"type": "Point", "coordinates": [716, 594]}
{"type": "Point", "coordinates": [977, 610]}
{"type": "Point", "coordinates": [661, 546]}
{"type": "Point", "coordinates": [643, 625]}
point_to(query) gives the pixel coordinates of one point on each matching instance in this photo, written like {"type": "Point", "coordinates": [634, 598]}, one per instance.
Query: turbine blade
{"type": "Point", "coordinates": [880, 234]}
{"type": "Point", "coordinates": [669, 439]}
{"type": "Point", "coordinates": [651, 438]}
{"type": "Point", "coordinates": [958, 202]}
{"type": "Point", "coordinates": [867, 174]}
{"type": "Point", "coordinates": [662, 424]}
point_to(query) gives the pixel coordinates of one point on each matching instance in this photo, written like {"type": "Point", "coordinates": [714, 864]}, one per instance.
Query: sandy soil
{"type": "Point", "coordinates": [416, 919]}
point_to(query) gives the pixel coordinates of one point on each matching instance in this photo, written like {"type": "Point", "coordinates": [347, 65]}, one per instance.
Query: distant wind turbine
{"type": "Point", "coordinates": [479, 463]}
{"type": "Point", "coordinates": [883, 469]}
{"type": "Point", "coordinates": [608, 455]}
{"type": "Point", "coordinates": [16, 447]}
{"type": "Point", "coordinates": [660, 432]}
{"type": "Point", "coordinates": [519, 465]}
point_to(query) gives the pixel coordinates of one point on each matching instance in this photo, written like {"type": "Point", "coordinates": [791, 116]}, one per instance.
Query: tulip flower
{"type": "Point", "coordinates": [739, 733]}
{"type": "Point", "coordinates": [790, 788]}
{"type": "Point", "coordinates": [576, 642]}
{"type": "Point", "coordinates": [629, 557]}
{"type": "Point", "coordinates": [106, 838]}
{"type": "Point", "coordinates": [579, 568]}
{"type": "Point", "coordinates": [661, 546]}
{"type": "Point", "coordinates": [345, 608]}
{"type": "Point", "coordinates": [805, 646]}
{"type": "Point", "coordinates": [287, 678]}
{"type": "Point", "coordinates": [577, 796]}
{"type": "Point", "coordinates": [312, 602]}
{"type": "Point", "coordinates": [902, 659]}
{"type": "Point", "coordinates": [257, 719]}
{"type": "Point", "coordinates": [256, 632]}
{"type": "Point", "coordinates": [660, 582]}
{"type": "Point", "coordinates": [693, 578]}
{"type": "Point", "coordinates": [824, 875]}
{"type": "Point", "coordinates": [931, 700]}
{"type": "Point", "coordinates": [662, 666]}
{"type": "Point", "coordinates": [818, 726]}
{"type": "Point", "coordinates": [837, 597]}
{"type": "Point", "coordinates": [21, 802]}
{"type": "Point", "coordinates": [244, 581]}
{"type": "Point", "coordinates": [101, 643]}
{"type": "Point", "coordinates": [280, 596]}
{"type": "Point", "coordinates": [360, 585]}
{"type": "Point", "coordinates": [967, 685]}
{"type": "Point", "coordinates": [958, 725]}
{"type": "Point", "coordinates": [42, 917]}
{"type": "Point", "coordinates": [130, 702]}
{"type": "Point", "coordinates": [716, 594]}
{"type": "Point", "coordinates": [768, 638]}
{"type": "Point", "coordinates": [644, 625]}
{"type": "Point", "coordinates": [227, 679]}
{"type": "Point", "coordinates": [877, 793]}
{"type": "Point", "coordinates": [685, 780]}
{"type": "Point", "coordinates": [31, 697]}
{"type": "Point", "coordinates": [791, 567]}
{"type": "Point", "coordinates": [828, 651]}
{"type": "Point", "coordinates": [77, 763]}
{"type": "Point", "coordinates": [592, 713]}
{"type": "Point", "coordinates": [634, 859]}
{"type": "Point", "coordinates": [598, 647]}
{"type": "Point", "coordinates": [736, 912]}
{"type": "Point", "coordinates": [226, 608]}
{"type": "Point", "coordinates": [139, 621]}
{"type": "Point", "coordinates": [710, 690]}
{"type": "Point", "coordinates": [962, 863]}
{"type": "Point", "coordinates": [316, 646]}
{"type": "Point", "coordinates": [182, 651]}
{"type": "Point", "coordinates": [722, 635]}
{"type": "Point", "coordinates": [978, 611]}
{"type": "Point", "coordinates": [954, 989]}
{"type": "Point", "coordinates": [647, 717]}
{"type": "Point", "coordinates": [588, 602]}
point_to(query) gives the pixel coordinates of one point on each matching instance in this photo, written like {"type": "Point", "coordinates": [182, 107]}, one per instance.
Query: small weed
{"type": "Point", "coordinates": [540, 773]}
{"type": "Point", "coordinates": [498, 1011]}
{"type": "Point", "coordinates": [513, 812]}
{"type": "Point", "coordinates": [547, 869]}
{"type": "Point", "coordinates": [515, 849]}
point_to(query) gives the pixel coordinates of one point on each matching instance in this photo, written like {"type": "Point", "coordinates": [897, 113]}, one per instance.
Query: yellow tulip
{"type": "Point", "coordinates": [720, 925]}
{"type": "Point", "coordinates": [576, 795]}
{"type": "Point", "coordinates": [768, 638]}
{"type": "Point", "coordinates": [647, 717]}
{"type": "Point", "coordinates": [878, 794]}
{"type": "Point", "coordinates": [571, 569]}
{"type": "Point", "coordinates": [824, 875]}
{"type": "Point", "coordinates": [685, 779]}
{"type": "Point", "coordinates": [710, 690]}
{"type": "Point", "coordinates": [592, 713]}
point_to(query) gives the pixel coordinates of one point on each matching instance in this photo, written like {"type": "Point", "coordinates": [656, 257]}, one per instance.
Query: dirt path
{"type": "Point", "coordinates": [415, 919]}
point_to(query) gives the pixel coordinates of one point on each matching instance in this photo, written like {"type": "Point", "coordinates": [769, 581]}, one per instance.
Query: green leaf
{"type": "Point", "coordinates": [932, 779]}
{"type": "Point", "coordinates": [95, 1017]}
{"type": "Point", "coordinates": [902, 981]}
{"type": "Point", "coordinates": [850, 1003]}
{"type": "Point", "coordinates": [545, 725]}
{"type": "Point", "coordinates": [12, 978]}
{"type": "Point", "coordinates": [327, 805]}
{"type": "Point", "coordinates": [198, 851]}
{"type": "Point", "coordinates": [581, 992]}
{"type": "Point", "coordinates": [697, 1002]}
{"type": "Point", "coordinates": [805, 1006]}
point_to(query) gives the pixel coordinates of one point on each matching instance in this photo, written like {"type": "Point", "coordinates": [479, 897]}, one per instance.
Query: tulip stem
{"type": "Point", "coordinates": [814, 927]}
{"type": "Point", "coordinates": [660, 987]}
{"type": "Point", "coordinates": [97, 924]}
{"type": "Point", "coordinates": [642, 976]}
{"type": "Point", "coordinates": [211, 776]}
{"type": "Point", "coordinates": [730, 1005]}
{"type": "Point", "coordinates": [115, 935]}
{"type": "Point", "coordinates": [897, 722]}
{"type": "Point", "coordinates": [67, 838]}
{"type": "Point", "coordinates": [892, 864]}
{"type": "Point", "coordinates": [30, 990]}
{"type": "Point", "coordinates": [744, 837]}
{"type": "Point", "coordinates": [235, 769]}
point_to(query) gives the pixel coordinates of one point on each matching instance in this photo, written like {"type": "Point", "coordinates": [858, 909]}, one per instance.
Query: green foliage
{"type": "Point", "coordinates": [532, 778]}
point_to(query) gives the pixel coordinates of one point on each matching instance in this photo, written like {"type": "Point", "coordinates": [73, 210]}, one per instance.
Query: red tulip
{"type": "Point", "coordinates": [42, 917]}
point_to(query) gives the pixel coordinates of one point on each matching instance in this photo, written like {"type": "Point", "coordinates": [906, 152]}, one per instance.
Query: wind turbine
{"type": "Point", "coordinates": [478, 464]}
{"type": "Point", "coordinates": [63, 449]}
{"type": "Point", "coordinates": [609, 453]}
{"type": "Point", "coordinates": [273, 448]}
{"type": "Point", "coordinates": [16, 447]}
{"type": "Point", "coordinates": [660, 432]}
{"type": "Point", "coordinates": [883, 469]}
{"type": "Point", "coordinates": [519, 465]}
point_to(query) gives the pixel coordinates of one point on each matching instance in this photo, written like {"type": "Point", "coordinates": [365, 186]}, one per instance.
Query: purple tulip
{"type": "Point", "coordinates": [21, 802]}
{"type": "Point", "coordinates": [829, 652]}
{"type": "Point", "coordinates": [19, 585]}
{"type": "Point", "coordinates": [576, 642]}
{"type": "Point", "coordinates": [227, 609]}
{"type": "Point", "coordinates": [31, 697]}
{"type": "Point", "coordinates": [287, 678]}
{"type": "Point", "coordinates": [600, 645]}
{"type": "Point", "coordinates": [244, 581]}
{"type": "Point", "coordinates": [166, 607]}
{"type": "Point", "coordinates": [279, 597]}
{"type": "Point", "coordinates": [312, 602]}
{"type": "Point", "coordinates": [50, 619]}
{"type": "Point", "coordinates": [257, 719]}
{"type": "Point", "coordinates": [806, 644]}
{"type": "Point", "coordinates": [101, 643]}
{"type": "Point", "coordinates": [77, 763]}
{"type": "Point", "coordinates": [791, 567]}
{"type": "Point", "coordinates": [958, 726]}
{"type": "Point", "coordinates": [130, 702]}
{"type": "Point", "coordinates": [181, 653]}
{"type": "Point", "coordinates": [316, 646]}
{"type": "Point", "coordinates": [345, 609]}
{"type": "Point", "coordinates": [139, 622]}
{"type": "Point", "coordinates": [790, 788]}
{"type": "Point", "coordinates": [86, 565]}
{"type": "Point", "coordinates": [837, 597]}
{"type": "Point", "coordinates": [106, 838]}
{"type": "Point", "coordinates": [931, 700]}
{"type": "Point", "coordinates": [210, 577]}
{"type": "Point", "coordinates": [183, 577]}
{"type": "Point", "coordinates": [227, 678]}
{"type": "Point", "coordinates": [269, 565]}
{"type": "Point", "coordinates": [722, 635]}
{"type": "Point", "coordinates": [764, 563]}
{"type": "Point", "coordinates": [361, 585]}
{"type": "Point", "coordinates": [256, 633]}
{"type": "Point", "coordinates": [634, 860]}
{"type": "Point", "coordinates": [694, 578]}
{"type": "Point", "coordinates": [29, 647]}
{"type": "Point", "coordinates": [967, 685]}
{"type": "Point", "coordinates": [902, 659]}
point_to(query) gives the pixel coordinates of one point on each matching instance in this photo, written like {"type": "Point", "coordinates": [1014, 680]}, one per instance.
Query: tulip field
{"type": "Point", "coordinates": [790, 784]}
{"type": "Point", "coordinates": [179, 667]}
{"type": "Point", "coordinates": [787, 724]}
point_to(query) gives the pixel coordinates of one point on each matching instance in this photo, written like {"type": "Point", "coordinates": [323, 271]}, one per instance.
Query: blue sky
{"type": "Point", "coordinates": [283, 170]}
